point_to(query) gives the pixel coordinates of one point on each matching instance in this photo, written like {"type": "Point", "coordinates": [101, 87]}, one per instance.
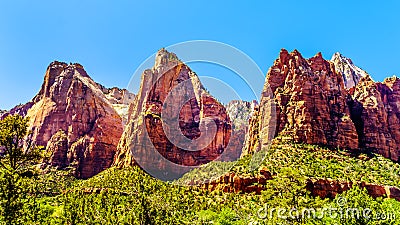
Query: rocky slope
{"type": "Point", "coordinates": [240, 112]}
{"type": "Point", "coordinates": [120, 100]}
{"type": "Point", "coordinates": [74, 120]}
{"type": "Point", "coordinates": [314, 106]}
{"type": "Point", "coordinates": [172, 90]}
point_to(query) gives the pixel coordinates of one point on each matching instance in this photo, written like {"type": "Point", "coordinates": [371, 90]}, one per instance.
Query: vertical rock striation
{"type": "Point", "coordinates": [72, 117]}
{"type": "Point", "coordinates": [172, 91]}
{"type": "Point", "coordinates": [331, 103]}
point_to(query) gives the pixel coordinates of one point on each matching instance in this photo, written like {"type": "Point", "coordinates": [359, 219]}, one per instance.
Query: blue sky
{"type": "Point", "coordinates": [112, 39]}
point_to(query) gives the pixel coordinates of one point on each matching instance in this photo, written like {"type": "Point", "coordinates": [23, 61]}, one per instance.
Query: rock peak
{"type": "Point", "coordinates": [296, 53]}
{"type": "Point", "coordinates": [319, 55]}
{"type": "Point", "coordinates": [283, 51]}
{"type": "Point", "coordinates": [58, 64]}
{"type": "Point", "coordinates": [163, 57]}
{"type": "Point", "coordinates": [350, 72]}
{"type": "Point", "coordinates": [337, 56]}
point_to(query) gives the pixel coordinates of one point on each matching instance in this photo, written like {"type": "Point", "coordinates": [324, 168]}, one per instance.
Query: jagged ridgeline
{"type": "Point", "coordinates": [330, 103]}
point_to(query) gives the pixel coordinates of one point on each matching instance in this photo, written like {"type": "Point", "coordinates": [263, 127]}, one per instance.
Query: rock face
{"type": "Point", "coordinates": [376, 111]}
{"type": "Point", "coordinates": [323, 188]}
{"type": "Point", "coordinates": [314, 106]}
{"type": "Point", "coordinates": [172, 91]}
{"type": "Point", "coordinates": [240, 113]}
{"type": "Point", "coordinates": [350, 72]}
{"type": "Point", "coordinates": [310, 100]}
{"type": "Point", "coordinates": [72, 117]}
{"type": "Point", "coordinates": [21, 109]}
{"type": "Point", "coordinates": [327, 188]}
{"type": "Point", "coordinates": [57, 150]}
{"type": "Point", "coordinates": [234, 183]}
{"type": "Point", "coordinates": [120, 100]}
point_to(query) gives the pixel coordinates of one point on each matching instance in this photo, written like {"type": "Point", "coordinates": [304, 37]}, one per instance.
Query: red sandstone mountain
{"type": "Point", "coordinates": [165, 88]}
{"type": "Point", "coordinates": [74, 120]}
{"type": "Point", "coordinates": [314, 106]}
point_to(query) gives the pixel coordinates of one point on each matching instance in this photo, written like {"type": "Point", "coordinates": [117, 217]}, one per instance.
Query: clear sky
{"type": "Point", "coordinates": [112, 38]}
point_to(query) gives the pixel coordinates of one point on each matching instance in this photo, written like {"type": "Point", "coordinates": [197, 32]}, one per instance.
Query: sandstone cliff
{"type": "Point", "coordinates": [74, 120]}
{"type": "Point", "coordinates": [310, 102]}
{"type": "Point", "coordinates": [171, 90]}
{"type": "Point", "coordinates": [330, 103]}
{"type": "Point", "coordinates": [376, 112]}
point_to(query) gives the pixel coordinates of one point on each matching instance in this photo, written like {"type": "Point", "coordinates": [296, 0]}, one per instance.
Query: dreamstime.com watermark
{"type": "Point", "coordinates": [341, 212]}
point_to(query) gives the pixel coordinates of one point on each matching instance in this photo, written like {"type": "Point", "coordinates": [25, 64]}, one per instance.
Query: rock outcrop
{"type": "Point", "coordinates": [323, 188]}
{"type": "Point", "coordinates": [310, 101]}
{"type": "Point", "coordinates": [330, 103]}
{"type": "Point", "coordinates": [172, 95]}
{"type": "Point", "coordinates": [376, 112]}
{"type": "Point", "coordinates": [2, 112]}
{"type": "Point", "coordinates": [72, 117]}
{"type": "Point", "coordinates": [234, 183]}
{"type": "Point", "coordinates": [327, 188]}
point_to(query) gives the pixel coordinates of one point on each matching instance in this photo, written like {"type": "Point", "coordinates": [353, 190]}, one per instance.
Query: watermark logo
{"type": "Point", "coordinates": [178, 125]}
{"type": "Point", "coordinates": [342, 212]}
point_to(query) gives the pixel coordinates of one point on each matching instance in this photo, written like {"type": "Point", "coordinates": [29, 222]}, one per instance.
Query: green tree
{"type": "Point", "coordinates": [16, 157]}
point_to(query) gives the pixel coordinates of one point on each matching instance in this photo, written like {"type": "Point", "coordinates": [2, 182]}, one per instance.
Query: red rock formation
{"type": "Point", "coordinates": [172, 90]}
{"type": "Point", "coordinates": [234, 183]}
{"type": "Point", "coordinates": [376, 112]}
{"type": "Point", "coordinates": [73, 118]}
{"type": "Point", "coordinates": [327, 188]}
{"type": "Point", "coordinates": [313, 106]}
{"type": "Point", "coordinates": [310, 102]}
{"type": "Point", "coordinates": [324, 188]}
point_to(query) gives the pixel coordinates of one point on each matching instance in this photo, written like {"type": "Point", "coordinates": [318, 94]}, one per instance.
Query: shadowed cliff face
{"type": "Point", "coordinates": [376, 110]}
{"type": "Point", "coordinates": [74, 120]}
{"type": "Point", "coordinates": [196, 128]}
{"type": "Point", "coordinates": [314, 106]}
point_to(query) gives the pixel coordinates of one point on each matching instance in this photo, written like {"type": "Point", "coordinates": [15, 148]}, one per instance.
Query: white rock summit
{"type": "Point", "coordinates": [350, 72]}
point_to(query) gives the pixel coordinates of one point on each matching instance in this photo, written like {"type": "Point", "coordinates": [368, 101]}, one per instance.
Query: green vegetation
{"type": "Point", "coordinates": [130, 196]}
{"type": "Point", "coordinates": [318, 162]}
{"type": "Point", "coordinates": [16, 161]}
{"type": "Point", "coordinates": [310, 161]}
